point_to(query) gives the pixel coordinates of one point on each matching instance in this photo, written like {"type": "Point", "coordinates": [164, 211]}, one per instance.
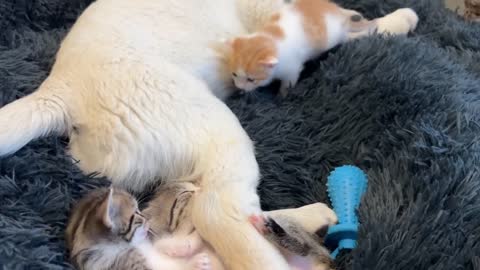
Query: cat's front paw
{"type": "Point", "coordinates": [182, 248]}
{"type": "Point", "coordinates": [202, 262]}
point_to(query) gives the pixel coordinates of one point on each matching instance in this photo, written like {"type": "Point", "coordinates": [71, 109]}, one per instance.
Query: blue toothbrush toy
{"type": "Point", "coordinates": [345, 186]}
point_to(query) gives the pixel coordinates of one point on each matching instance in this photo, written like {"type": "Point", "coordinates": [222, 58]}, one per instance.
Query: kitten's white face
{"type": "Point", "coordinates": [250, 82]}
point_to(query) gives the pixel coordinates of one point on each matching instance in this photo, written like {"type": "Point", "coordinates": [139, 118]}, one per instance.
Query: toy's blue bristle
{"type": "Point", "coordinates": [346, 186]}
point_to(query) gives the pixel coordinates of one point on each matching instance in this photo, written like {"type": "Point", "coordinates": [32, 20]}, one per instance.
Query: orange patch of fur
{"type": "Point", "coordinates": [275, 17]}
{"type": "Point", "coordinates": [248, 52]}
{"type": "Point", "coordinates": [274, 30]}
{"type": "Point", "coordinates": [313, 13]}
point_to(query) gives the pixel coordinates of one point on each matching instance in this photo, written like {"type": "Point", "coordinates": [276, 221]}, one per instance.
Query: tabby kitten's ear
{"type": "Point", "coordinates": [109, 210]}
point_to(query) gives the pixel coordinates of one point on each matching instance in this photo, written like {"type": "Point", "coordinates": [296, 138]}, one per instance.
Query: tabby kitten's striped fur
{"type": "Point", "coordinates": [168, 214]}
{"type": "Point", "coordinates": [107, 231]}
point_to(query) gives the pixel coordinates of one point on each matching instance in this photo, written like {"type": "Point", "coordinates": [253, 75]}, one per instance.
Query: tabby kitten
{"type": "Point", "coordinates": [168, 214]}
{"type": "Point", "coordinates": [107, 231]}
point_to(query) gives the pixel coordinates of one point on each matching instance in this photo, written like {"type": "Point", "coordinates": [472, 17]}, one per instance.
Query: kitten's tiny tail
{"type": "Point", "coordinates": [38, 114]}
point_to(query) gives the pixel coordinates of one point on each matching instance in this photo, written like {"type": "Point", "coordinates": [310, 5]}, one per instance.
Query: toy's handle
{"type": "Point", "coordinates": [346, 186]}
{"type": "Point", "coordinates": [344, 244]}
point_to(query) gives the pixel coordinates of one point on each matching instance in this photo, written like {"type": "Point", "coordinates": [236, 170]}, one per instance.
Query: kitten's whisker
{"type": "Point", "coordinates": [152, 232]}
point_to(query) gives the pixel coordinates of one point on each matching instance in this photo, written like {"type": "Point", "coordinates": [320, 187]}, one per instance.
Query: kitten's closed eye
{"type": "Point", "coordinates": [250, 80]}
{"type": "Point", "coordinates": [136, 220]}
{"type": "Point", "coordinates": [115, 219]}
{"type": "Point", "coordinates": [234, 74]}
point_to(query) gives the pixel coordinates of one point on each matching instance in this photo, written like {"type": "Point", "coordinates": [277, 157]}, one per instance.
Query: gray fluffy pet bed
{"type": "Point", "coordinates": [406, 110]}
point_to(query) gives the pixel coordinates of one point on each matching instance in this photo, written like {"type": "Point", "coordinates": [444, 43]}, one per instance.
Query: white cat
{"type": "Point", "coordinates": [136, 89]}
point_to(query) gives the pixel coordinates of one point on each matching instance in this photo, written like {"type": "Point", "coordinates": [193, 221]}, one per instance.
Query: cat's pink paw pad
{"type": "Point", "coordinates": [202, 262]}
{"type": "Point", "coordinates": [258, 221]}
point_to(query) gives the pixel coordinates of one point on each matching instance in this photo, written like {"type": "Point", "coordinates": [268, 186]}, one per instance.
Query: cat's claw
{"type": "Point", "coordinates": [202, 262]}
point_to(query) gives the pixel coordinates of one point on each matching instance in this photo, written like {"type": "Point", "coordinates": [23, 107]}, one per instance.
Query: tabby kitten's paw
{"type": "Point", "coordinates": [182, 248]}
{"type": "Point", "coordinates": [202, 262]}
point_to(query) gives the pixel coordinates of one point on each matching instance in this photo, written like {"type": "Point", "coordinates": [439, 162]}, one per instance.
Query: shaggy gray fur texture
{"type": "Point", "coordinates": [406, 110]}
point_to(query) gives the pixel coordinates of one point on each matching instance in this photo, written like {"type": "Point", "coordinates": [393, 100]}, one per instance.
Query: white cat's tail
{"type": "Point", "coordinates": [38, 114]}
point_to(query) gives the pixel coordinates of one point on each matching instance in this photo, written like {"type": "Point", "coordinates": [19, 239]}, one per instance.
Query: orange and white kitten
{"type": "Point", "coordinates": [299, 32]}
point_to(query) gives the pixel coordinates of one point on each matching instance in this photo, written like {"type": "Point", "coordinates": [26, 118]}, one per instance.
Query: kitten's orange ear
{"type": "Point", "coordinates": [269, 62]}
{"type": "Point", "coordinates": [108, 209]}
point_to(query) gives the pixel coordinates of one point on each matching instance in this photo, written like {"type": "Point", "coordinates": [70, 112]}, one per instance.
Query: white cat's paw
{"type": "Point", "coordinates": [180, 249]}
{"type": "Point", "coordinates": [202, 262]}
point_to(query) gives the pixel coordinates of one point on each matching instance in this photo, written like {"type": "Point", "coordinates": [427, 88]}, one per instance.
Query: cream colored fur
{"type": "Point", "coordinates": [400, 22]}
{"type": "Point", "coordinates": [138, 91]}
{"type": "Point", "coordinates": [312, 216]}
